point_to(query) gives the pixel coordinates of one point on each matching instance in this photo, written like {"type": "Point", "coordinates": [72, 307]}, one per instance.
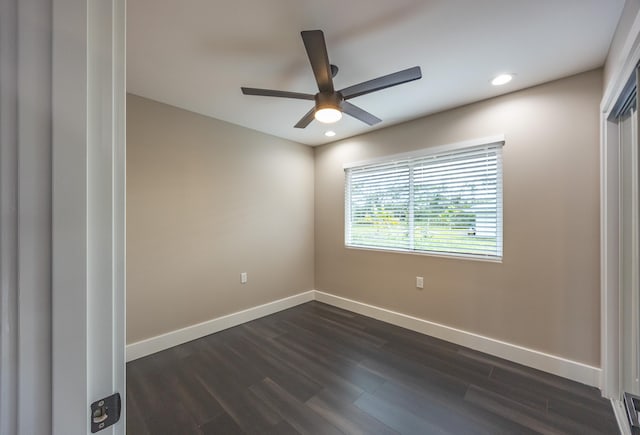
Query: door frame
{"type": "Point", "coordinates": [88, 210]}
{"type": "Point", "coordinates": [610, 352]}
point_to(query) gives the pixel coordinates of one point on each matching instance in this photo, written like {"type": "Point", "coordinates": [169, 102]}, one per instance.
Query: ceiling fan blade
{"type": "Point", "coordinates": [274, 93]}
{"type": "Point", "coordinates": [383, 82]}
{"type": "Point", "coordinates": [360, 114]}
{"type": "Point", "coordinates": [319, 59]}
{"type": "Point", "coordinates": [306, 119]}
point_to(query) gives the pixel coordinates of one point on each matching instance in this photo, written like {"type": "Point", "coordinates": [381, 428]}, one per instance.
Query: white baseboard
{"type": "Point", "coordinates": [573, 370]}
{"type": "Point", "coordinates": [532, 358]}
{"type": "Point", "coordinates": [165, 341]}
{"type": "Point", "coordinates": [621, 416]}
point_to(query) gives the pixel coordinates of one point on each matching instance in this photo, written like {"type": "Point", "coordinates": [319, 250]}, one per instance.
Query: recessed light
{"type": "Point", "coordinates": [330, 133]}
{"type": "Point", "coordinates": [502, 79]}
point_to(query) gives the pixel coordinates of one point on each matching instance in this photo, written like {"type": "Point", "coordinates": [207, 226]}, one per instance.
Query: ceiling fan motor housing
{"type": "Point", "coordinates": [329, 101]}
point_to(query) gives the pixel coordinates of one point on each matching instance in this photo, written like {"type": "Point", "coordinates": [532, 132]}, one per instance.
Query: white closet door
{"type": "Point", "coordinates": [630, 262]}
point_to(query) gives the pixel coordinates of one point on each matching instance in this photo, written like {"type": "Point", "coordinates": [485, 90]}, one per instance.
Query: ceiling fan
{"type": "Point", "coordinates": [329, 103]}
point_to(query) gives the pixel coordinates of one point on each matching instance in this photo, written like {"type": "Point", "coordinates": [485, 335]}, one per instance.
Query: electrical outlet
{"type": "Point", "coordinates": [243, 278]}
{"type": "Point", "coordinates": [419, 282]}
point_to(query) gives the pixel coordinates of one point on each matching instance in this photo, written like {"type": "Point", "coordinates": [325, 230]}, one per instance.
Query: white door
{"type": "Point", "coordinates": [88, 211]}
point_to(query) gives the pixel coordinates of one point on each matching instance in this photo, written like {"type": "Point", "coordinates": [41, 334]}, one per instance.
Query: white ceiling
{"type": "Point", "coordinates": [195, 54]}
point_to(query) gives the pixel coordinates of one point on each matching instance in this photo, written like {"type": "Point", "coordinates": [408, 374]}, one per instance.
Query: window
{"type": "Point", "coordinates": [444, 200]}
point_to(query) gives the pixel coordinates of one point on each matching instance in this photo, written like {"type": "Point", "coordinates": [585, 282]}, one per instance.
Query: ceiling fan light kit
{"type": "Point", "coordinates": [327, 108]}
{"type": "Point", "coordinates": [328, 115]}
{"type": "Point", "coordinates": [329, 103]}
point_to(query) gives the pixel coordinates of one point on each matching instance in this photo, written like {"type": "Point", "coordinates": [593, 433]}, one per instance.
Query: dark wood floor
{"type": "Point", "coordinates": [316, 369]}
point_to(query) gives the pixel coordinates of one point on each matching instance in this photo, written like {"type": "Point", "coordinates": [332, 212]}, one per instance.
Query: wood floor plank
{"type": "Point", "coordinates": [187, 390]}
{"type": "Point", "coordinates": [325, 308]}
{"type": "Point", "coordinates": [234, 363]}
{"type": "Point", "coordinates": [517, 374]}
{"type": "Point", "coordinates": [281, 428]}
{"type": "Point", "coordinates": [596, 417]}
{"type": "Point", "coordinates": [441, 362]}
{"type": "Point", "coordinates": [342, 325]}
{"type": "Point", "coordinates": [326, 357]}
{"type": "Point", "coordinates": [135, 417]}
{"type": "Point", "coordinates": [160, 413]}
{"type": "Point", "coordinates": [223, 424]}
{"type": "Point", "coordinates": [347, 338]}
{"type": "Point", "coordinates": [453, 417]}
{"type": "Point", "coordinates": [534, 419]}
{"type": "Point", "coordinates": [318, 369]}
{"type": "Point", "coordinates": [269, 326]}
{"type": "Point", "coordinates": [337, 347]}
{"type": "Point", "coordinates": [528, 397]}
{"type": "Point", "coordinates": [298, 415]}
{"type": "Point", "coordinates": [395, 417]}
{"type": "Point", "coordinates": [412, 373]}
{"type": "Point", "coordinates": [249, 413]}
{"type": "Point", "coordinates": [346, 416]}
{"type": "Point", "coordinates": [290, 378]}
{"type": "Point", "coordinates": [296, 361]}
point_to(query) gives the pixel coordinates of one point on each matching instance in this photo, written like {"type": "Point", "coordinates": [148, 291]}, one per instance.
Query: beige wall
{"type": "Point", "coordinates": [545, 293]}
{"type": "Point", "coordinates": [207, 200]}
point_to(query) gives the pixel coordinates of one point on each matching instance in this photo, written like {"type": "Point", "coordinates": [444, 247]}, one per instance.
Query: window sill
{"type": "Point", "coordinates": [471, 257]}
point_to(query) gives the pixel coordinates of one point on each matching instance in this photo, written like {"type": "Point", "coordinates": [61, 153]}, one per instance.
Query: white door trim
{"type": "Point", "coordinates": [609, 259]}
{"type": "Point", "coordinates": [88, 231]}
{"type": "Point", "coordinates": [609, 217]}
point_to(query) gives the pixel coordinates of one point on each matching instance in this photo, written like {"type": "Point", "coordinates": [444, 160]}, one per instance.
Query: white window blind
{"type": "Point", "coordinates": [447, 202]}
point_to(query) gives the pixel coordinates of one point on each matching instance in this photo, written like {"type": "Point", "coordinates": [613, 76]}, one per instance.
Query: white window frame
{"type": "Point", "coordinates": [458, 146]}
